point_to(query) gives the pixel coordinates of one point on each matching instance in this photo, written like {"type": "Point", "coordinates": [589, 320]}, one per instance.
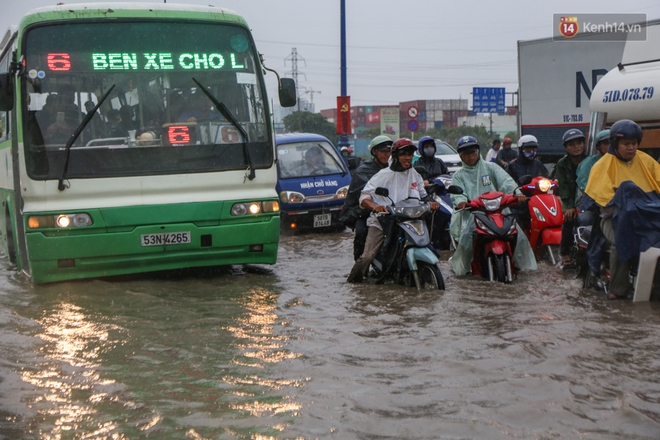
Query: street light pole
{"type": "Point", "coordinates": [343, 138]}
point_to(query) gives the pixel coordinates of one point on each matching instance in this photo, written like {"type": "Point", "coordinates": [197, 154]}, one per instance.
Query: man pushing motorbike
{"type": "Point", "coordinates": [625, 184]}
{"type": "Point", "coordinates": [475, 178]}
{"type": "Point", "coordinates": [402, 182]}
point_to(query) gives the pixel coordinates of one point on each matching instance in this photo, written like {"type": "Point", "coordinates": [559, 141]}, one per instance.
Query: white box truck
{"type": "Point", "coordinates": [555, 82]}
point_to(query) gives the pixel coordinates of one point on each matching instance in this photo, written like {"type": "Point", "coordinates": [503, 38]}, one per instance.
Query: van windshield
{"type": "Point", "coordinates": [308, 159]}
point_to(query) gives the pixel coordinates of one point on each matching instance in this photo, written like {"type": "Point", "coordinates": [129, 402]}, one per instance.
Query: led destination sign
{"type": "Point", "coordinates": [147, 61]}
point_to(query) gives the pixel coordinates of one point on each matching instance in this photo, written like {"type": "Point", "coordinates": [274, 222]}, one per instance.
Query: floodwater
{"type": "Point", "coordinates": [294, 352]}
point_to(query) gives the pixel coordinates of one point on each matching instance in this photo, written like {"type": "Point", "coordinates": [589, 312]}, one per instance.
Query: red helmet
{"type": "Point", "coordinates": [506, 141]}
{"type": "Point", "coordinates": [401, 145]}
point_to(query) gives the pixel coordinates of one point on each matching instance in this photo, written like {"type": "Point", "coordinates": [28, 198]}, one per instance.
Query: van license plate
{"type": "Point", "coordinates": [322, 220]}
{"type": "Point", "coordinates": [166, 238]}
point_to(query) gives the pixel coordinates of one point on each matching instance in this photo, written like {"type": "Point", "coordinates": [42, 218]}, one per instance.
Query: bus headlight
{"type": "Point", "coordinates": [59, 221]}
{"type": "Point", "coordinates": [245, 208]}
{"type": "Point", "coordinates": [271, 206]}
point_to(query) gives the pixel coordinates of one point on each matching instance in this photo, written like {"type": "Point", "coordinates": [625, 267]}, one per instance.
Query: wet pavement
{"type": "Point", "coordinates": [294, 352]}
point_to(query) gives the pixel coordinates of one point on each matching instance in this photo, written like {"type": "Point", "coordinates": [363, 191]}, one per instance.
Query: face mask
{"type": "Point", "coordinates": [429, 151]}
{"type": "Point", "coordinates": [530, 154]}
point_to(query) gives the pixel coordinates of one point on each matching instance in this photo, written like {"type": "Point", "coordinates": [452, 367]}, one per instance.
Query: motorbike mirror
{"type": "Point", "coordinates": [526, 179]}
{"type": "Point", "coordinates": [455, 189]}
{"type": "Point", "coordinates": [383, 192]}
{"type": "Point", "coordinates": [433, 188]}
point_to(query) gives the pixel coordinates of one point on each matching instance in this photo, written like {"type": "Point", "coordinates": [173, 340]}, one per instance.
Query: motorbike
{"type": "Point", "coordinates": [440, 220]}
{"type": "Point", "coordinates": [406, 255]}
{"type": "Point", "coordinates": [494, 237]}
{"type": "Point", "coordinates": [583, 233]}
{"type": "Point", "coordinates": [545, 216]}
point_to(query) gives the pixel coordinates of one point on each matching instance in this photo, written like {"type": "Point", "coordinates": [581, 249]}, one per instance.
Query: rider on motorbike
{"type": "Point", "coordinates": [475, 178]}
{"type": "Point", "coordinates": [352, 214]}
{"type": "Point", "coordinates": [429, 166]}
{"type": "Point", "coordinates": [526, 165]}
{"type": "Point", "coordinates": [584, 169]}
{"type": "Point", "coordinates": [402, 182]}
{"type": "Point", "coordinates": [614, 172]}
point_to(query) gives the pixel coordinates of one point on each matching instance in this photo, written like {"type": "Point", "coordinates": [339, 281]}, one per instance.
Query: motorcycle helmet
{"type": "Point", "coordinates": [425, 140]}
{"type": "Point", "coordinates": [602, 135]}
{"type": "Point", "coordinates": [572, 134]}
{"type": "Point", "coordinates": [401, 145]}
{"type": "Point", "coordinates": [379, 142]}
{"type": "Point", "coordinates": [344, 151]}
{"type": "Point", "coordinates": [527, 141]}
{"type": "Point", "coordinates": [625, 129]}
{"type": "Point", "coordinates": [506, 141]}
{"type": "Point", "coordinates": [467, 143]}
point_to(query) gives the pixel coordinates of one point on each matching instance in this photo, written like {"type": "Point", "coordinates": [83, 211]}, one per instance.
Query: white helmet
{"type": "Point", "coordinates": [528, 141]}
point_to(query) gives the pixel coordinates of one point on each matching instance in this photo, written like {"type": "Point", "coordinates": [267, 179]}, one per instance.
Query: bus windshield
{"type": "Point", "coordinates": [156, 120]}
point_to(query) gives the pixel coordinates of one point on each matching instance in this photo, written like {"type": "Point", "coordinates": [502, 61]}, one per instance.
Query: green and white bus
{"type": "Point", "coordinates": [135, 137]}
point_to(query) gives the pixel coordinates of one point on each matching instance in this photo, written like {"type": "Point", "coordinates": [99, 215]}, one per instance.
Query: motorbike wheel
{"type": "Point", "coordinates": [430, 276]}
{"type": "Point", "coordinates": [497, 268]}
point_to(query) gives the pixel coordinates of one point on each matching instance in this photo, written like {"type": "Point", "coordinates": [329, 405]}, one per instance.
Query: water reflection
{"type": "Point", "coordinates": [179, 357]}
{"type": "Point", "coordinates": [71, 370]}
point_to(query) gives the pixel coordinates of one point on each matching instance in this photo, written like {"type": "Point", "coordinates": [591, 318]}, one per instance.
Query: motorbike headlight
{"type": "Point", "coordinates": [342, 192]}
{"type": "Point", "coordinates": [545, 185]}
{"type": "Point", "coordinates": [481, 225]}
{"type": "Point", "coordinates": [493, 204]}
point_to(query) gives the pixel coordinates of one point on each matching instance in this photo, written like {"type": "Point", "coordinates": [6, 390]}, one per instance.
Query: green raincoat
{"type": "Point", "coordinates": [476, 180]}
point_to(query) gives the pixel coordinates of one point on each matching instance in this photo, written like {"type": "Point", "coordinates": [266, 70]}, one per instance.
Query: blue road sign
{"type": "Point", "coordinates": [413, 125]}
{"type": "Point", "coordinates": [488, 99]}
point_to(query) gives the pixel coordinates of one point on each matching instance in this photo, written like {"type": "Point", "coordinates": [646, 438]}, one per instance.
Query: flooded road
{"type": "Point", "coordinates": [294, 352]}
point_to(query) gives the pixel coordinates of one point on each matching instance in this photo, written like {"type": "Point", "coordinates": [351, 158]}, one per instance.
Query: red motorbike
{"type": "Point", "coordinates": [495, 236]}
{"type": "Point", "coordinates": [546, 216]}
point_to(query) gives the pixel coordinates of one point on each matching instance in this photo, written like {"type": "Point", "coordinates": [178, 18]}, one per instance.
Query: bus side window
{"type": "Point", "coordinates": [4, 116]}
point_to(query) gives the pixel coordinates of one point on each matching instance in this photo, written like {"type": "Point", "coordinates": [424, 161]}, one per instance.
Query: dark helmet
{"type": "Point", "coordinates": [467, 143]}
{"type": "Point", "coordinates": [625, 129]}
{"type": "Point", "coordinates": [401, 145]}
{"type": "Point", "coordinates": [572, 134]}
{"type": "Point", "coordinates": [422, 141]}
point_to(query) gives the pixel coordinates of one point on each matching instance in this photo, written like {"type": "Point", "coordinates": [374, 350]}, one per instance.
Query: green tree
{"type": "Point", "coordinates": [307, 122]}
{"type": "Point", "coordinates": [512, 135]}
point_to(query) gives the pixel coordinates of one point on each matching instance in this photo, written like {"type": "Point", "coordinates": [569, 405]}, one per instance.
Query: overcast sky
{"type": "Point", "coordinates": [396, 50]}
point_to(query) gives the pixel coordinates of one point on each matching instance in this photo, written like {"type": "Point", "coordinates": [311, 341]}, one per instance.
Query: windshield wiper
{"type": "Point", "coordinates": [88, 117]}
{"type": "Point", "coordinates": [231, 118]}
{"type": "Point", "coordinates": [341, 167]}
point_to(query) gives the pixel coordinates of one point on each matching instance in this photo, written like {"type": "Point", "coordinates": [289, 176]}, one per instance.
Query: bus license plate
{"type": "Point", "coordinates": [322, 220]}
{"type": "Point", "coordinates": [166, 238]}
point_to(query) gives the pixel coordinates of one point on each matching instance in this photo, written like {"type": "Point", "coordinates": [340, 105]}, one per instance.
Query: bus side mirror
{"type": "Point", "coordinates": [287, 92]}
{"type": "Point", "coordinates": [6, 92]}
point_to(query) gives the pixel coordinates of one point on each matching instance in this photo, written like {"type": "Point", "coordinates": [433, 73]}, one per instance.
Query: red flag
{"type": "Point", "coordinates": [343, 115]}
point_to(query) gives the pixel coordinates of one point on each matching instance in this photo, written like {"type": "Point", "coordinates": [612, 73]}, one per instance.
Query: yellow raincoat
{"type": "Point", "coordinates": [608, 173]}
